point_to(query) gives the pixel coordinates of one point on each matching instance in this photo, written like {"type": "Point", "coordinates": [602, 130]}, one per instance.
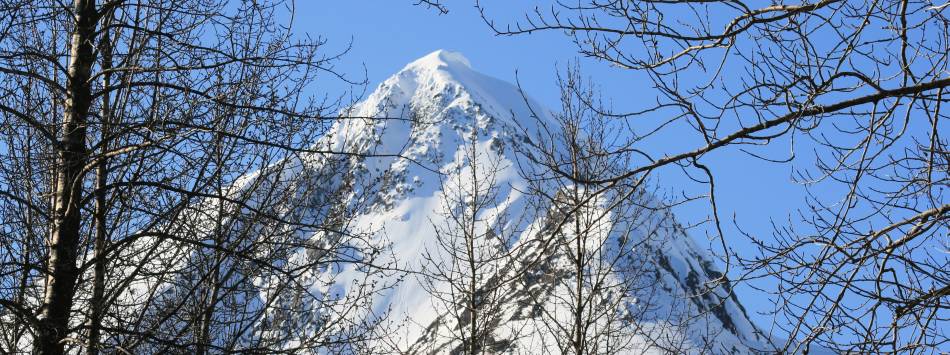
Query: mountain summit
{"type": "Point", "coordinates": [442, 58]}
{"type": "Point", "coordinates": [442, 119]}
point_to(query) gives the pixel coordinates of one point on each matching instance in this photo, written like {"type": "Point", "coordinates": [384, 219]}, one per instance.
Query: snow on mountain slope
{"type": "Point", "coordinates": [434, 105]}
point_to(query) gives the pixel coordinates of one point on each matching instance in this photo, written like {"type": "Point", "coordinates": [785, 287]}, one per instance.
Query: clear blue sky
{"type": "Point", "coordinates": [388, 34]}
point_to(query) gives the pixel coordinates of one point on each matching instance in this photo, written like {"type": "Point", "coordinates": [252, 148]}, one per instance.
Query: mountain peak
{"type": "Point", "coordinates": [442, 58]}
{"type": "Point", "coordinates": [444, 80]}
{"type": "Point", "coordinates": [449, 108]}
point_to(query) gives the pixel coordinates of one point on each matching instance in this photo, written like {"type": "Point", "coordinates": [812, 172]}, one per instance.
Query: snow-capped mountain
{"type": "Point", "coordinates": [442, 118]}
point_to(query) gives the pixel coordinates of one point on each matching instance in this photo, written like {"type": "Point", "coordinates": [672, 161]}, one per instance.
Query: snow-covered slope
{"type": "Point", "coordinates": [435, 106]}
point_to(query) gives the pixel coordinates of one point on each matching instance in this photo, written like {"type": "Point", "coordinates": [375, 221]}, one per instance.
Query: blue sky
{"type": "Point", "coordinates": [388, 34]}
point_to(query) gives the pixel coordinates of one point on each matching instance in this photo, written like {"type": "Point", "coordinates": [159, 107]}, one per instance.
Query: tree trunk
{"type": "Point", "coordinates": [474, 341]}
{"type": "Point", "coordinates": [101, 238]}
{"type": "Point", "coordinates": [67, 217]}
{"type": "Point", "coordinates": [578, 289]}
{"type": "Point", "coordinates": [99, 273]}
{"type": "Point", "coordinates": [579, 328]}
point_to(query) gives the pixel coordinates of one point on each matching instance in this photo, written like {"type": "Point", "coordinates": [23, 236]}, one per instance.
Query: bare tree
{"type": "Point", "coordinates": [165, 186]}
{"type": "Point", "coordinates": [852, 91]}
{"type": "Point", "coordinates": [463, 270]}
{"type": "Point", "coordinates": [603, 247]}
